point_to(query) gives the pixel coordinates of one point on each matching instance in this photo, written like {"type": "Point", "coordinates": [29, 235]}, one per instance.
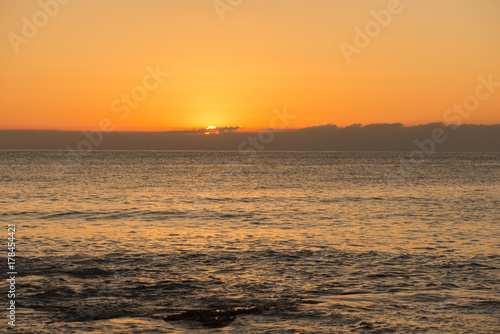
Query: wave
{"type": "Point", "coordinates": [133, 215]}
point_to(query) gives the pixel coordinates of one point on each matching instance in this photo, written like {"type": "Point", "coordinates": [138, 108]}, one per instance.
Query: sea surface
{"type": "Point", "coordinates": [277, 242]}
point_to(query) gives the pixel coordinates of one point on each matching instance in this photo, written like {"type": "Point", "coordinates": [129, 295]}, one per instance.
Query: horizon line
{"type": "Point", "coordinates": [230, 129]}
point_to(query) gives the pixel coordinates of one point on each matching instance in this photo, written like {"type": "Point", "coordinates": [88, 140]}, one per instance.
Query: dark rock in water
{"type": "Point", "coordinates": [213, 318]}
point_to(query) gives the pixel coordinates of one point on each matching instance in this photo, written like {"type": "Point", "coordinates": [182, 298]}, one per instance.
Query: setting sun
{"type": "Point", "coordinates": [212, 130]}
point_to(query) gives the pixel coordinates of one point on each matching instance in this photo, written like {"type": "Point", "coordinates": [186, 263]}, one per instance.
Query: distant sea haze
{"type": "Point", "coordinates": [374, 137]}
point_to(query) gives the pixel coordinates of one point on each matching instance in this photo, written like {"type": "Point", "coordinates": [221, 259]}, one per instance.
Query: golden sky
{"type": "Point", "coordinates": [70, 65]}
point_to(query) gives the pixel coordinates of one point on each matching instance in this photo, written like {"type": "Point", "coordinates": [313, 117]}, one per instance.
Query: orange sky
{"type": "Point", "coordinates": [263, 55]}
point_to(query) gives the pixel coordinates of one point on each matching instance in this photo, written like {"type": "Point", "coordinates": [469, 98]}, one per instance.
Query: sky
{"type": "Point", "coordinates": [158, 65]}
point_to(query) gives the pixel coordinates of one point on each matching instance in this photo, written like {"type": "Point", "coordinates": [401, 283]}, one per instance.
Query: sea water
{"type": "Point", "coordinates": [279, 242]}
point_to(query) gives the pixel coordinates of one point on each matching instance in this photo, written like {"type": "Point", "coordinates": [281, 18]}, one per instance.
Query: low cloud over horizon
{"type": "Point", "coordinates": [329, 137]}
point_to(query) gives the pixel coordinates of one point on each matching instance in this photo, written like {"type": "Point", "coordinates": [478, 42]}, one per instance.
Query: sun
{"type": "Point", "coordinates": [212, 130]}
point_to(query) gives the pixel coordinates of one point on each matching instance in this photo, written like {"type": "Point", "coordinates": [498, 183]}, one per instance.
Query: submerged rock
{"type": "Point", "coordinates": [217, 318]}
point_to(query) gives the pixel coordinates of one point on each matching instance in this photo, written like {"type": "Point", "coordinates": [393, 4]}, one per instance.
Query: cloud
{"type": "Point", "coordinates": [328, 137]}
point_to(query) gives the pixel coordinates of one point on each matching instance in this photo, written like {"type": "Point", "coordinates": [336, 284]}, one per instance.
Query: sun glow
{"type": "Point", "coordinates": [212, 130]}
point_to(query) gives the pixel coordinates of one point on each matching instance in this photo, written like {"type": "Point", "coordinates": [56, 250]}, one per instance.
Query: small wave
{"type": "Point", "coordinates": [88, 272]}
{"type": "Point", "coordinates": [161, 286]}
{"type": "Point", "coordinates": [89, 310]}
{"type": "Point", "coordinates": [236, 215]}
{"type": "Point", "coordinates": [61, 292]}
{"type": "Point", "coordinates": [107, 215]}
{"type": "Point", "coordinates": [350, 199]}
{"type": "Point", "coordinates": [427, 297]}
{"type": "Point", "coordinates": [6, 179]}
{"type": "Point", "coordinates": [18, 213]}
{"type": "Point", "coordinates": [63, 214]}
{"type": "Point", "coordinates": [217, 199]}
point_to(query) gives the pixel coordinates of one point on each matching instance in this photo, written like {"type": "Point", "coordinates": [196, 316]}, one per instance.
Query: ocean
{"type": "Point", "coordinates": [224, 242]}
